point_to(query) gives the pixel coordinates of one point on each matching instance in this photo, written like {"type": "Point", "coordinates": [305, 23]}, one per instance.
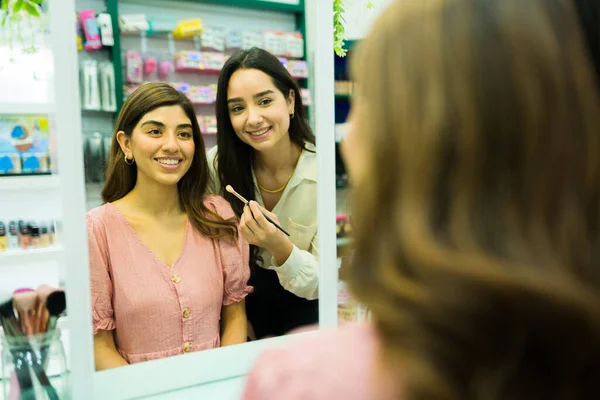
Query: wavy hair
{"type": "Point", "coordinates": [478, 217]}
{"type": "Point", "coordinates": [235, 158]}
{"type": "Point", "coordinates": [192, 188]}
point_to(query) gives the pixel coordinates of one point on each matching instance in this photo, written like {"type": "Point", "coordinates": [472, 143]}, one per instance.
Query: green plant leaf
{"type": "Point", "coordinates": [4, 5]}
{"type": "Point", "coordinates": [37, 1]}
{"type": "Point", "coordinates": [18, 6]}
{"type": "Point", "coordinates": [32, 9]}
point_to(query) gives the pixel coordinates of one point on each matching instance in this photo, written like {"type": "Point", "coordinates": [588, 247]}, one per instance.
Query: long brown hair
{"type": "Point", "coordinates": [121, 178]}
{"type": "Point", "coordinates": [235, 158]}
{"type": "Point", "coordinates": [478, 218]}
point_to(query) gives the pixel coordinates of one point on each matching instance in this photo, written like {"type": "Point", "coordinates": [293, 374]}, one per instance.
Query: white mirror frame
{"type": "Point", "coordinates": [174, 373]}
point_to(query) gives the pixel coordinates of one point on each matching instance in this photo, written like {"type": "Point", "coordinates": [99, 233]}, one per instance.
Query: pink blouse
{"type": "Point", "coordinates": [157, 311]}
{"type": "Point", "coordinates": [325, 365]}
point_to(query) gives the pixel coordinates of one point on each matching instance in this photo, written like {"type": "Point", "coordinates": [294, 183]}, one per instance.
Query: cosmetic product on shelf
{"type": "Point", "coordinates": [252, 39]}
{"type": "Point", "coordinates": [293, 44]}
{"type": "Point", "coordinates": [134, 66]}
{"type": "Point", "coordinates": [274, 42]}
{"type": "Point", "coordinates": [107, 86]}
{"type": "Point", "coordinates": [13, 236]}
{"type": "Point", "coordinates": [90, 29]}
{"type": "Point", "coordinates": [161, 24]}
{"type": "Point", "coordinates": [104, 22]}
{"type": "Point", "coordinates": [298, 68]}
{"type": "Point", "coordinates": [3, 237]}
{"type": "Point", "coordinates": [133, 23]}
{"type": "Point", "coordinates": [213, 39]}
{"type": "Point", "coordinates": [24, 145]}
{"type": "Point", "coordinates": [28, 235]}
{"type": "Point", "coordinates": [90, 93]}
{"type": "Point", "coordinates": [188, 28]}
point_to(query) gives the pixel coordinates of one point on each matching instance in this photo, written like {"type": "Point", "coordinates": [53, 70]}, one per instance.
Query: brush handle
{"type": "Point", "coordinates": [42, 377]}
{"type": "Point", "coordinates": [23, 376]}
{"type": "Point", "coordinates": [276, 225]}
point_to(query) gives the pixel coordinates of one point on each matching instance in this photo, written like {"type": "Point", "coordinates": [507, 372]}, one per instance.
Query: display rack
{"type": "Point", "coordinates": [255, 15]}
{"type": "Point", "coordinates": [41, 84]}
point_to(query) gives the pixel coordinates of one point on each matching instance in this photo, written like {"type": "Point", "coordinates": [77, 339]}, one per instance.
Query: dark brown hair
{"type": "Point", "coordinates": [121, 178]}
{"type": "Point", "coordinates": [478, 215]}
{"type": "Point", "coordinates": [234, 159]}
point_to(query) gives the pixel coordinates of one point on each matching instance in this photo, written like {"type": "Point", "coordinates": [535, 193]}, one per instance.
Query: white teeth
{"type": "Point", "coordinates": [262, 132]}
{"type": "Point", "coordinates": [167, 161]}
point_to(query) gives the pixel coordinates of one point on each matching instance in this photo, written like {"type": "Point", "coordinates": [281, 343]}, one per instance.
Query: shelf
{"type": "Point", "coordinates": [19, 256]}
{"type": "Point", "coordinates": [26, 108]}
{"type": "Point", "coordinates": [343, 97]}
{"type": "Point", "coordinates": [264, 5]}
{"type": "Point", "coordinates": [29, 182]}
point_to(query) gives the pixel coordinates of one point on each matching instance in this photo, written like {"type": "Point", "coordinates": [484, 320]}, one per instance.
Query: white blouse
{"type": "Point", "coordinates": [297, 213]}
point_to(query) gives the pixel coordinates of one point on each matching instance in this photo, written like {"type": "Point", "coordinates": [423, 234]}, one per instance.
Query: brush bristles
{"type": "Point", "coordinates": [56, 302]}
{"type": "Point", "coordinates": [6, 308]}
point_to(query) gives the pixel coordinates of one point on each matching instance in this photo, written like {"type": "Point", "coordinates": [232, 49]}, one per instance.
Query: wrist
{"type": "Point", "coordinates": [282, 250]}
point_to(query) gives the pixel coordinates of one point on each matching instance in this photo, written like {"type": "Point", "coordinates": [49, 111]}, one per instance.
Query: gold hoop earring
{"type": "Point", "coordinates": [129, 162]}
{"type": "Point", "coordinates": [292, 114]}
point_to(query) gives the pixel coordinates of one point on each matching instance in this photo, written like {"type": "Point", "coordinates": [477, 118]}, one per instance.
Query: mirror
{"type": "Point", "coordinates": [63, 193]}
{"type": "Point", "coordinates": [171, 272]}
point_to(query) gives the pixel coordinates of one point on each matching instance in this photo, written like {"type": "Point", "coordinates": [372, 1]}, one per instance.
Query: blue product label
{"type": "Point", "coordinates": [6, 164]}
{"type": "Point", "coordinates": [92, 27]}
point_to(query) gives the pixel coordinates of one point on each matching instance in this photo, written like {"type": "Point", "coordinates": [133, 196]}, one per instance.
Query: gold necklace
{"type": "Point", "coordinates": [277, 190]}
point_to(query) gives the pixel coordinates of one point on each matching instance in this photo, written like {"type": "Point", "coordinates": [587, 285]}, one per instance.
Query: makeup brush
{"type": "Point", "coordinates": [11, 329]}
{"type": "Point", "coordinates": [243, 200]}
{"type": "Point", "coordinates": [7, 314]}
{"type": "Point", "coordinates": [56, 303]}
{"type": "Point", "coordinates": [43, 291]}
{"type": "Point", "coordinates": [24, 303]}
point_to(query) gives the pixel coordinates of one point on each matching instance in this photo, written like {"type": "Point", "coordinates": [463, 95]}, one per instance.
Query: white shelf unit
{"type": "Point", "coordinates": [45, 84]}
{"type": "Point", "coordinates": [29, 183]}
{"type": "Point", "coordinates": [27, 108]}
{"type": "Point", "coordinates": [32, 256]}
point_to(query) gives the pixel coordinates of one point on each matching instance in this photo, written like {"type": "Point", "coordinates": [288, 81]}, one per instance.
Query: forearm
{"type": "Point", "coordinates": [233, 324]}
{"type": "Point", "coordinates": [281, 251]}
{"type": "Point", "coordinates": [299, 274]}
{"type": "Point", "coordinates": [107, 358]}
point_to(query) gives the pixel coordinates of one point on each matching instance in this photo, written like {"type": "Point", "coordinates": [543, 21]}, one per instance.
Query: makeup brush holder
{"type": "Point", "coordinates": [34, 367]}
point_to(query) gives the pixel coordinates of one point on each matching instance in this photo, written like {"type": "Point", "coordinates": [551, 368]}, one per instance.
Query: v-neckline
{"type": "Point", "coordinates": [145, 246]}
{"type": "Point", "coordinates": [288, 187]}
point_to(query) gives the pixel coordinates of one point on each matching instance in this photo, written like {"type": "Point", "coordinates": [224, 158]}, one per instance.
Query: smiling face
{"type": "Point", "coordinates": [162, 145]}
{"type": "Point", "coordinates": [259, 112]}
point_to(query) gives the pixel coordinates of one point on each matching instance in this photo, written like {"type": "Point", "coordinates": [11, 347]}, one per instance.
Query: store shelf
{"type": "Point", "coordinates": [29, 182]}
{"type": "Point", "coordinates": [26, 108]}
{"type": "Point", "coordinates": [266, 5]}
{"type": "Point", "coordinates": [31, 256]}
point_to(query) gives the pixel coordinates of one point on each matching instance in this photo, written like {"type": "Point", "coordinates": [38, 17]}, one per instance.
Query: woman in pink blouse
{"type": "Point", "coordinates": [168, 272]}
{"type": "Point", "coordinates": [474, 153]}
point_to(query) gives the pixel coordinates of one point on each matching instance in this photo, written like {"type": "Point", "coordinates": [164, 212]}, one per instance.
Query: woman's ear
{"type": "Point", "coordinates": [291, 100]}
{"type": "Point", "coordinates": [125, 143]}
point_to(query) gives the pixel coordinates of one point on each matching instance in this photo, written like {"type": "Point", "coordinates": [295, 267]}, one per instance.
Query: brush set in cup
{"type": "Point", "coordinates": [27, 315]}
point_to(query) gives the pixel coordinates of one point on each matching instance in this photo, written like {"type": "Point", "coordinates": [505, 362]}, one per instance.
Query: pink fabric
{"type": "Point", "coordinates": [334, 364]}
{"type": "Point", "coordinates": [134, 294]}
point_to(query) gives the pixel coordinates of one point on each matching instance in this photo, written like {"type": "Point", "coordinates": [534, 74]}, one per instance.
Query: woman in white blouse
{"type": "Point", "coordinates": [266, 152]}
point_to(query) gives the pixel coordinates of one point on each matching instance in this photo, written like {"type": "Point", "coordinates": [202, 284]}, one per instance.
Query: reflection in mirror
{"type": "Point", "coordinates": [168, 269]}
{"type": "Point", "coordinates": [266, 152]}
{"type": "Point", "coordinates": [177, 263]}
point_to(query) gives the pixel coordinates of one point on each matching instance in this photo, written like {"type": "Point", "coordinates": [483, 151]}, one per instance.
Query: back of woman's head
{"type": "Point", "coordinates": [478, 208]}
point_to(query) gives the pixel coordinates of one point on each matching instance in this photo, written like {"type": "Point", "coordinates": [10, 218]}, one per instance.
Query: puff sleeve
{"type": "Point", "coordinates": [235, 258]}
{"type": "Point", "coordinates": [101, 284]}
